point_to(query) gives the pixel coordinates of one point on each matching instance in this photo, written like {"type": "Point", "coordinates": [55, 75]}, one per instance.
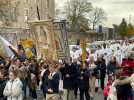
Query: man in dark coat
{"type": "Point", "coordinates": [77, 66]}
{"type": "Point", "coordinates": [69, 74]}
{"type": "Point", "coordinates": [44, 80]}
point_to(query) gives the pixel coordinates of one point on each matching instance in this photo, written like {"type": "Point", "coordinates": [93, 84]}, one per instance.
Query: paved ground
{"type": "Point", "coordinates": [97, 97]}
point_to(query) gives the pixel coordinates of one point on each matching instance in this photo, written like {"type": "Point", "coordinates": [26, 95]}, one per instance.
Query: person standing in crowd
{"type": "Point", "coordinates": [132, 83]}
{"type": "Point", "coordinates": [22, 73]}
{"type": "Point", "coordinates": [53, 83]}
{"type": "Point", "coordinates": [119, 55]}
{"type": "Point", "coordinates": [13, 89]}
{"type": "Point", "coordinates": [28, 77]}
{"type": "Point", "coordinates": [2, 85]}
{"type": "Point", "coordinates": [112, 65]}
{"type": "Point", "coordinates": [44, 78]}
{"type": "Point", "coordinates": [6, 66]}
{"type": "Point", "coordinates": [33, 68]}
{"type": "Point", "coordinates": [98, 53]}
{"type": "Point", "coordinates": [107, 54]}
{"type": "Point", "coordinates": [101, 66]}
{"type": "Point", "coordinates": [83, 81]}
{"type": "Point", "coordinates": [69, 73]}
{"type": "Point", "coordinates": [125, 88]}
{"type": "Point", "coordinates": [16, 63]}
{"type": "Point", "coordinates": [77, 66]}
{"type": "Point", "coordinates": [93, 73]}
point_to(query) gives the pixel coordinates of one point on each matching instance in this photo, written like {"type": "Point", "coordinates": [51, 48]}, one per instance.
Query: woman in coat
{"type": "Point", "coordinates": [13, 89]}
{"type": "Point", "coordinates": [112, 65]}
{"type": "Point", "coordinates": [83, 82]}
{"type": "Point", "coordinates": [101, 67]}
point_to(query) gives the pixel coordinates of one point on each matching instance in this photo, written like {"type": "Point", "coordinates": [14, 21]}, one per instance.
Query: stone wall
{"type": "Point", "coordinates": [31, 10]}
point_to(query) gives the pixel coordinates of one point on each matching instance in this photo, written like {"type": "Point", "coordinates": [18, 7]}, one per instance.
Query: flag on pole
{"type": "Point", "coordinates": [8, 49]}
{"type": "Point", "coordinates": [83, 47]}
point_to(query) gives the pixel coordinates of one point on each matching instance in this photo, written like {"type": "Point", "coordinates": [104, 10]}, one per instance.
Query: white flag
{"type": "Point", "coordinates": [7, 51]}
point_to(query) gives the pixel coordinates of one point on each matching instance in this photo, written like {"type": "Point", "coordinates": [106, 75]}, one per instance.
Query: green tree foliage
{"type": "Point", "coordinates": [130, 29]}
{"type": "Point", "coordinates": [123, 28]}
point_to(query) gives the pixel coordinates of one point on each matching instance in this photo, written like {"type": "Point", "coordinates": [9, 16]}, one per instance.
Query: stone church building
{"type": "Point", "coordinates": [31, 10]}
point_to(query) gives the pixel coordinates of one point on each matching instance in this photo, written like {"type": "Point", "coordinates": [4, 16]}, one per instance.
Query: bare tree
{"type": "Point", "coordinates": [97, 16]}
{"type": "Point", "coordinates": [75, 11]}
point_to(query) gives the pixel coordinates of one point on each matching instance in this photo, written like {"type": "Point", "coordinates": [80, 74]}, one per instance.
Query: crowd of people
{"type": "Point", "coordinates": [68, 79]}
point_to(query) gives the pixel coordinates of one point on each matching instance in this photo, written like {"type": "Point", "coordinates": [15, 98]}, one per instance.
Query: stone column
{"type": "Point", "coordinates": [46, 48]}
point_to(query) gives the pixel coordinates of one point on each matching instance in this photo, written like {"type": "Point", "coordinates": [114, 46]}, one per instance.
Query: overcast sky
{"type": "Point", "coordinates": [115, 9]}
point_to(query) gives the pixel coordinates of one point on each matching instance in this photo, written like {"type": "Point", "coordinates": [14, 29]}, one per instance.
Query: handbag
{"type": "Point", "coordinates": [61, 85]}
{"type": "Point", "coordinates": [112, 93]}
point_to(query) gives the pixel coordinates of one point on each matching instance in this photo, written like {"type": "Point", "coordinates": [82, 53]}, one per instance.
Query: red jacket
{"type": "Point", "coordinates": [128, 66]}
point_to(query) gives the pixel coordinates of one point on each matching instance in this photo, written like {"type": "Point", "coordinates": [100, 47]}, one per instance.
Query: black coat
{"type": "Point", "coordinates": [69, 82]}
{"type": "Point", "coordinates": [2, 86]}
{"type": "Point", "coordinates": [54, 83]}
{"type": "Point", "coordinates": [83, 78]}
{"type": "Point", "coordinates": [101, 66]}
{"type": "Point", "coordinates": [45, 81]}
{"type": "Point", "coordinates": [77, 67]}
{"type": "Point", "coordinates": [124, 91]}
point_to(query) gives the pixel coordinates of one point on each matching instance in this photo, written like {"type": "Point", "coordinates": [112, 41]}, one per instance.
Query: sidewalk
{"type": "Point", "coordinates": [98, 96]}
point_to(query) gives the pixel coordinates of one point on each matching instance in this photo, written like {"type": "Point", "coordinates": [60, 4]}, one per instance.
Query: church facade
{"type": "Point", "coordinates": [31, 10]}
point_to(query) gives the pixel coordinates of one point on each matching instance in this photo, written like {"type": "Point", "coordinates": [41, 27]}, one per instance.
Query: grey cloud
{"type": "Point", "coordinates": [121, 1]}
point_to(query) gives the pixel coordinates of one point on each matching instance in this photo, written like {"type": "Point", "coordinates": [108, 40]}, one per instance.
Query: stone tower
{"type": "Point", "coordinates": [32, 10]}
{"type": "Point", "coordinates": [40, 9]}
